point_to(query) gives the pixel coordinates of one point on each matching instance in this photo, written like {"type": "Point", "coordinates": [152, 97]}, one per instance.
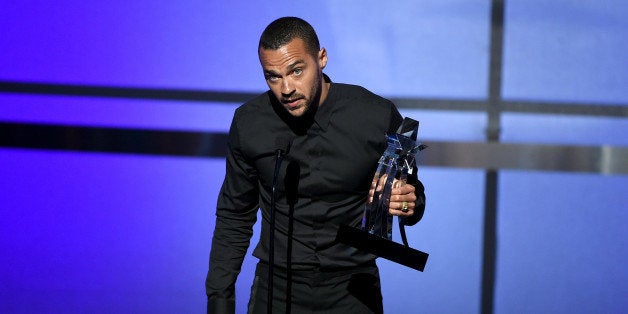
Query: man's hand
{"type": "Point", "coordinates": [402, 197]}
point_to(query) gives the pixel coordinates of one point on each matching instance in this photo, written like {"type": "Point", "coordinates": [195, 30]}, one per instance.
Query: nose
{"type": "Point", "coordinates": [287, 87]}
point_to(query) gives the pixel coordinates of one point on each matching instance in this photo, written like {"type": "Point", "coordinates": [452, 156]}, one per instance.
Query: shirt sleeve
{"type": "Point", "coordinates": [236, 213]}
{"type": "Point", "coordinates": [419, 207]}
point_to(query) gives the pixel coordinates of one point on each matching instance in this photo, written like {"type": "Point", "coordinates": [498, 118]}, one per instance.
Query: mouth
{"type": "Point", "coordinates": [292, 103]}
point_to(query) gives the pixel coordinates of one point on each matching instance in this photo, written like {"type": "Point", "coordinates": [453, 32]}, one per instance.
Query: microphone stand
{"type": "Point", "coordinates": [291, 181]}
{"type": "Point", "coordinates": [271, 244]}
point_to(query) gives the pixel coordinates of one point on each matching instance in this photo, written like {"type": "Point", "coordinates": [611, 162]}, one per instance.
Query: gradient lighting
{"type": "Point", "coordinates": [566, 51]}
{"type": "Point", "coordinates": [211, 45]}
{"type": "Point", "coordinates": [117, 113]}
{"type": "Point", "coordinates": [121, 233]}
{"type": "Point", "coordinates": [563, 243]}
{"type": "Point", "coordinates": [102, 233]}
{"type": "Point", "coordinates": [139, 43]}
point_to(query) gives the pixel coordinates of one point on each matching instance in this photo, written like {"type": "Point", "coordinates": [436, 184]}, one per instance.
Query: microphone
{"type": "Point", "coordinates": [282, 145]}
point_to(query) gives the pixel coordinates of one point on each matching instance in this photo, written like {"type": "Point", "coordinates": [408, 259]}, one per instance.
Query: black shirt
{"type": "Point", "coordinates": [324, 181]}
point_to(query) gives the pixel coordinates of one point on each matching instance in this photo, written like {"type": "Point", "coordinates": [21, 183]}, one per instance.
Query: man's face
{"type": "Point", "coordinates": [294, 75]}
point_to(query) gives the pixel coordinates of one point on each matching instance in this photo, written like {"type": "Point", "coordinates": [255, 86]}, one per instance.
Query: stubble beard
{"type": "Point", "coordinates": [315, 94]}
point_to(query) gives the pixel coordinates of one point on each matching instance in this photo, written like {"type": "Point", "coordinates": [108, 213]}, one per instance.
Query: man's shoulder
{"type": "Point", "coordinates": [355, 97]}
{"type": "Point", "coordinates": [358, 106]}
{"type": "Point", "coordinates": [255, 105]}
{"type": "Point", "coordinates": [357, 93]}
{"type": "Point", "coordinates": [252, 115]}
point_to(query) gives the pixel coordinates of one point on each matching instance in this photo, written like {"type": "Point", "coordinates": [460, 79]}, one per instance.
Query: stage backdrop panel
{"type": "Point", "coordinates": [566, 51]}
{"type": "Point", "coordinates": [105, 233]}
{"type": "Point", "coordinates": [562, 243]}
{"type": "Point", "coordinates": [432, 48]}
{"type": "Point", "coordinates": [146, 114]}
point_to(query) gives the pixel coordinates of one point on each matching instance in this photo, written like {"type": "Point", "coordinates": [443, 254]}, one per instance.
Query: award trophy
{"type": "Point", "coordinates": [375, 235]}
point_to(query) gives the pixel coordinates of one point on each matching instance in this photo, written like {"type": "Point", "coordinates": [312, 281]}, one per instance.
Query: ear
{"type": "Point", "coordinates": [322, 58]}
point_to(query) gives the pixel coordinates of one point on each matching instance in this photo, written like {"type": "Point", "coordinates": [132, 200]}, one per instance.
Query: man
{"type": "Point", "coordinates": [336, 134]}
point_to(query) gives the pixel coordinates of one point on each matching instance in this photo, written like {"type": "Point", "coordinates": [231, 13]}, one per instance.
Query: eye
{"type": "Point", "coordinates": [298, 71]}
{"type": "Point", "coordinates": [272, 78]}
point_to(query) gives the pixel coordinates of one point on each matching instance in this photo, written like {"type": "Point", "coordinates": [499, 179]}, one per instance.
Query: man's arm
{"type": "Point", "coordinates": [236, 213]}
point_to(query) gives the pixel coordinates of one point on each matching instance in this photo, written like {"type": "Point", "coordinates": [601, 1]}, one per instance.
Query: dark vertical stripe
{"type": "Point", "coordinates": [495, 70]}
{"type": "Point", "coordinates": [489, 249]}
{"type": "Point", "coordinates": [490, 242]}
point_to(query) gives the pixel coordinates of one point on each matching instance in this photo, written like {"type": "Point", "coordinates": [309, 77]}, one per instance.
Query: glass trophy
{"type": "Point", "coordinates": [375, 234]}
{"type": "Point", "coordinates": [392, 171]}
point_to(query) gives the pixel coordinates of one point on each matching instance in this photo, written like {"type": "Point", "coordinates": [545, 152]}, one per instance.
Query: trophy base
{"type": "Point", "coordinates": [381, 247]}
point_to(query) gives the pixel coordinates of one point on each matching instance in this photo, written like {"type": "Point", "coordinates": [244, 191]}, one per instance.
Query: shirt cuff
{"type": "Point", "coordinates": [220, 306]}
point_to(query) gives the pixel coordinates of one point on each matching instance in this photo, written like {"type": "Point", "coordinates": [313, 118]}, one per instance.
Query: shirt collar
{"type": "Point", "coordinates": [326, 109]}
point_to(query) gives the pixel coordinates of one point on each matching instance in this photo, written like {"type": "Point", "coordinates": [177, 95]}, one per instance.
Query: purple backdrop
{"type": "Point", "coordinates": [103, 233]}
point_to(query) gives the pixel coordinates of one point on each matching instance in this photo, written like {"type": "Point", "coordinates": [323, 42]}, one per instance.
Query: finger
{"type": "Point", "coordinates": [398, 198]}
{"type": "Point", "coordinates": [407, 206]}
{"type": "Point", "coordinates": [376, 183]}
{"type": "Point", "coordinates": [404, 189]}
{"type": "Point", "coordinates": [395, 208]}
{"type": "Point", "coordinates": [381, 182]}
{"type": "Point", "coordinates": [398, 211]}
{"type": "Point", "coordinates": [397, 183]}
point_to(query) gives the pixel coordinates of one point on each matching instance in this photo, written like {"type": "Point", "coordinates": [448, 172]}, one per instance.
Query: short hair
{"type": "Point", "coordinates": [283, 30]}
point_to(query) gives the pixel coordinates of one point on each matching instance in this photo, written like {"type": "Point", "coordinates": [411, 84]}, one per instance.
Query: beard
{"type": "Point", "coordinates": [308, 105]}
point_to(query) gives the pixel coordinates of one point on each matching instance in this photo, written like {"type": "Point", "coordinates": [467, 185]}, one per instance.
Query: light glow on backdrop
{"type": "Point", "coordinates": [104, 232]}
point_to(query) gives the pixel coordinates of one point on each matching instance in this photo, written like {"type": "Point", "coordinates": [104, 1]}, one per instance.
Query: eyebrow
{"type": "Point", "coordinates": [290, 67]}
{"type": "Point", "coordinates": [295, 64]}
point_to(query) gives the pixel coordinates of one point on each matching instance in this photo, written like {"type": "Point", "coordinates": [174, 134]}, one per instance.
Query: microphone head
{"type": "Point", "coordinates": [282, 143]}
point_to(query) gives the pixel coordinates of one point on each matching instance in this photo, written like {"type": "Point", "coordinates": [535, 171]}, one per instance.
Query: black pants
{"type": "Point", "coordinates": [343, 291]}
